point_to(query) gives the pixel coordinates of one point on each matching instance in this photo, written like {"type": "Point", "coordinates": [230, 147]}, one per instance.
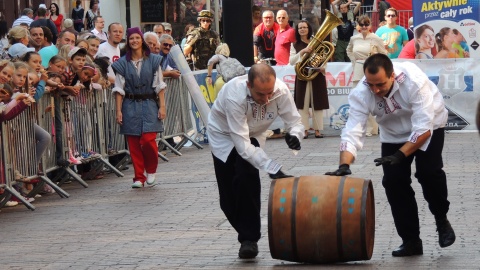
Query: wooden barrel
{"type": "Point", "coordinates": [321, 219]}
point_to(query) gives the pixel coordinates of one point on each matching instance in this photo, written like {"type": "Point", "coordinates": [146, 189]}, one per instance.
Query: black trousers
{"type": "Point", "coordinates": [239, 188]}
{"type": "Point", "coordinates": [397, 183]}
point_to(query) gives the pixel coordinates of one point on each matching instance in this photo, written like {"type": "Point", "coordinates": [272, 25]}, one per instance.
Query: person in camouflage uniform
{"type": "Point", "coordinates": [202, 41]}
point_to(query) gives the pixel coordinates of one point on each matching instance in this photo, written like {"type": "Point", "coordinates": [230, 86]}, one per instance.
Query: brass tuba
{"type": "Point", "coordinates": [322, 51]}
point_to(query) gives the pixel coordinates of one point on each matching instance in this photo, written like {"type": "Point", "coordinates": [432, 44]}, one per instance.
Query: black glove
{"type": "Point", "coordinates": [279, 174]}
{"type": "Point", "coordinates": [396, 158]}
{"type": "Point", "coordinates": [343, 169]}
{"type": "Point", "coordinates": [292, 142]}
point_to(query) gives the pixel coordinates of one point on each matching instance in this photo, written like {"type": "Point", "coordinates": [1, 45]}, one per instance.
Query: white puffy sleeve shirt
{"type": "Point", "coordinates": [235, 118]}
{"type": "Point", "coordinates": [413, 107]}
{"type": "Point", "coordinates": [158, 84]}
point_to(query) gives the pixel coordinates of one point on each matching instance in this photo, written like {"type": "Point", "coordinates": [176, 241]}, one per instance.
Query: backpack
{"type": "Point", "coordinates": [230, 68]}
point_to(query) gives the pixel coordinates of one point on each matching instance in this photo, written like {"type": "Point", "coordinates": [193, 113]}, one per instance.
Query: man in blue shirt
{"type": "Point", "coordinates": [168, 65]}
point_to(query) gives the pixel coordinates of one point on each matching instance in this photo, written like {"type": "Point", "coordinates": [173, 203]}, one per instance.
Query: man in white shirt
{"type": "Point", "coordinates": [241, 114]}
{"type": "Point", "coordinates": [27, 17]}
{"type": "Point", "coordinates": [411, 114]}
{"type": "Point", "coordinates": [99, 24]}
{"type": "Point", "coordinates": [110, 48]}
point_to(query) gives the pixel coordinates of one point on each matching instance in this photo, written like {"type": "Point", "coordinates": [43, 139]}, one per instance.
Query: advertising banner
{"type": "Point", "coordinates": [446, 29]}
{"type": "Point", "coordinates": [454, 78]}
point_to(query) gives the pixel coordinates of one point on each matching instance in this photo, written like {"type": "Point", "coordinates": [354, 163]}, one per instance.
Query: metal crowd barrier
{"type": "Point", "coordinates": [178, 121]}
{"type": "Point", "coordinates": [19, 157]}
{"type": "Point", "coordinates": [115, 142]}
{"type": "Point", "coordinates": [83, 119]}
{"type": "Point", "coordinates": [46, 119]}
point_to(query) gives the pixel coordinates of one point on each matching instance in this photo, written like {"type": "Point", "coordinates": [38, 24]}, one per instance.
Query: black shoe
{"type": "Point", "coordinates": [248, 250]}
{"type": "Point", "coordinates": [446, 235]}
{"type": "Point", "coordinates": [409, 248]}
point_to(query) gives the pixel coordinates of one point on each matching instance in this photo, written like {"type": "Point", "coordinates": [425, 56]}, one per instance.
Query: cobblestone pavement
{"type": "Point", "coordinates": [178, 224]}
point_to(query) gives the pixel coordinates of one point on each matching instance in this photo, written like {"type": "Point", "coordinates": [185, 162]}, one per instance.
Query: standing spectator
{"type": "Point", "coordinates": [159, 29]}
{"type": "Point", "coordinates": [264, 38]}
{"type": "Point", "coordinates": [99, 23]}
{"type": "Point", "coordinates": [152, 41]}
{"type": "Point", "coordinates": [169, 67]}
{"type": "Point", "coordinates": [382, 8]}
{"type": "Point", "coordinates": [56, 17]}
{"type": "Point", "coordinates": [317, 13]}
{"type": "Point", "coordinates": [110, 48]}
{"type": "Point", "coordinates": [190, 13]}
{"type": "Point", "coordinates": [140, 98]}
{"type": "Point", "coordinates": [91, 13]}
{"type": "Point", "coordinates": [361, 46]}
{"type": "Point", "coordinates": [305, 97]}
{"type": "Point", "coordinates": [412, 115]}
{"type": "Point", "coordinates": [77, 16]}
{"type": "Point", "coordinates": [43, 21]}
{"type": "Point", "coordinates": [410, 29]}
{"type": "Point", "coordinates": [189, 27]}
{"type": "Point", "coordinates": [408, 51]}
{"type": "Point", "coordinates": [65, 37]}
{"type": "Point", "coordinates": [284, 38]}
{"type": "Point", "coordinates": [394, 36]}
{"type": "Point", "coordinates": [256, 16]}
{"type": "Point", "coordinates": [37, 37]}
{"type": "Point", "coordinates": [47, 44]}
{"type": "Point", "coordinates": [68, 25]}
{"type": "Point", "coordinates": [344, 31]}
{"type": "Point", "coordinates": [93, 44]}
{"type": "Point", "coordinates": [18, 34]}
{"type": "Point", "coordinates": [202, 41]}
{"type": "Point", "coordinates": [236, 131]}
{"type": "Point", "coordinates": [168, 28]}
{"type": "Point", "coordinates": [3, 34]}
{"type": "Point", "coordinates": [27, 15]}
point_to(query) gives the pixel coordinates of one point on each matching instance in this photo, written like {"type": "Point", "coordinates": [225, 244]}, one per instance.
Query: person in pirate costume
{"type": "Point", "coordinates": [202, 41]}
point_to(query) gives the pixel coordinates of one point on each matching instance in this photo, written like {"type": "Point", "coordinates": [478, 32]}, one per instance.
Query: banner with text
{"type": "Point", "coordinates": [446, 29]}
{"type": "Point", "coordinates": [454, 78]}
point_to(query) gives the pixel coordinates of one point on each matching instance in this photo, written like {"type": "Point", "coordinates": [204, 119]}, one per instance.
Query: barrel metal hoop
{"type": "Point", "coordinates": [293, 219]}
{"type": "Point", "coordinates": [339, 218]}
{"type": "Point", "coordinates": [270, 227]}
{"type": "Point", "coordinates": [363, 218]}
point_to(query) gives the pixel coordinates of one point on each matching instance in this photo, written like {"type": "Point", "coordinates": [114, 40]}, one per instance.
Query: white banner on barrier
{"type": "Point", "coordinates": [454, 78]}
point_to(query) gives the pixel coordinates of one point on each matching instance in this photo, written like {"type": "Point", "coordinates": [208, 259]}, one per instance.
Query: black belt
{"type": "Point", "coordinates": [141, 96]}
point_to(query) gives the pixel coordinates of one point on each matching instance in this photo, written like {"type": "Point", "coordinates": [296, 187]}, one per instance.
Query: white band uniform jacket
{"type": "Point", "coordinates": [413, 107]}
{"type": "Point", "coordinates": [235, 118]}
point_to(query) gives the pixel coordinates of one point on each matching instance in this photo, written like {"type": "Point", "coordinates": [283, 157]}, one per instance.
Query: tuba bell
{"type": "Point", "coordinates": [322, 51]}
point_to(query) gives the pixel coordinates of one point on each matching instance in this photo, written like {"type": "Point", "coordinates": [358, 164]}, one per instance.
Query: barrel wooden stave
{"type": "Point", "coordinates": [321, 219]}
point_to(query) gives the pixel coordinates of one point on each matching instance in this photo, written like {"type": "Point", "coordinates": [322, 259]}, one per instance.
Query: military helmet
{"type": "Point", "coordinates": [205, 14]}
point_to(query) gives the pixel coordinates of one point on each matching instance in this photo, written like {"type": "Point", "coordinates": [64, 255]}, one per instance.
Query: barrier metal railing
{"type": "Point", "coordinates": [46, 107]}
{"type": "Point", "coordinates": [178, 122]}
{"type": "Point", "coordinates": [115, 142]}
{"type": "Point", "coordinates": [19, 157]}
{"type": "Point", "coordinates": [83, 120]}
{"type": "Point", "coordinates": [88, 128]}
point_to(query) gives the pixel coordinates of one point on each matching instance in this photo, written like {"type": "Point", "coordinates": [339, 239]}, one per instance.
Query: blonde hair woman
{"type": "Point", "coordinates": [18, 34]}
